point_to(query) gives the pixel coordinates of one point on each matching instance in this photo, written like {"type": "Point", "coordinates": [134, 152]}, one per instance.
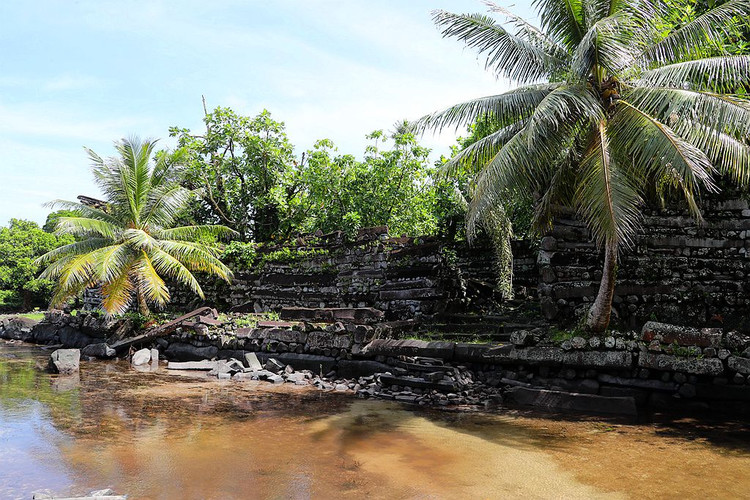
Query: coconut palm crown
{"type": "Point", "coordinates": [612, 108]}
{"type": "Point", "coordinates": [130, 246]}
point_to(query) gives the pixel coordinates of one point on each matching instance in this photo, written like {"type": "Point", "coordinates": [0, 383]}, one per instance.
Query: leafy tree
{"type": "Point", "coordinates": [128, 246]}
{"type": "Point", "coordinates": [20, 244]}
{"type": "Point", "coordinates": [615, 105]}
{"type": "Point", "coordinates": [390, 187]}
{"type": "Point", "coordinates": [243, 168]}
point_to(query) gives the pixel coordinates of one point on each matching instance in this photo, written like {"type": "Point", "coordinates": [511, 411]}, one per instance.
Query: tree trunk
{"type": "Point", "coordinates": [142, 305]}
{"type": "Point", "coordinates": [598, 317]}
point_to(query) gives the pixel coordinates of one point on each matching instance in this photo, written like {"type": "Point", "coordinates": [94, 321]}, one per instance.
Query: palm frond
{"type": "Point", "coordinates": [195, 233]}
{"type": "Point", "coordinates": [196, 257]}
{"type": "Point", "coordinates": [718, 74]}
{"type": "Point", "coordinates": [150, 284]}
{"type": "Point", "coordinates": [507, 54]}
{"type": "Point", "coordinates": [722, 112]}
{"type": "Point", "coordinates": [608, 44]}
{"type": "Point", "coordinates": [714, 25]}
{"type": "Point", "coordinates": [606, 198]}
{"type": "Point", "coordinates": [83, 226]}
{"type": "Point", "coordinates": [657, 149]}
{"type": "Point", "coordinates": [117, 293]}
{"type": "Point", "coordinates": [563, 20]}
{"type": "Point", "coordinates": [173, 268]}
{"type": "Point", "coordinates": [508, 108]}
{"type": "Point", "coordinates": [530, 33]}
{"type": "Point", "coordinates": [75, 248]}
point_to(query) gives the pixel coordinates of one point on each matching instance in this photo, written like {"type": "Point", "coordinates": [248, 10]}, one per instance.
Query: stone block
{"type": "Point", "coordinates": [681, 335]}
{"type": "Point", "coordinates": [204, 365]}
{"type": "Point", "coordinates": [695, 366]}
{"type": "Point", "coordinates": [740, 365]}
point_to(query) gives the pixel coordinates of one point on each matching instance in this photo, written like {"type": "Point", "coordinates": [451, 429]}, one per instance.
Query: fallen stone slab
{"type": "Point", "coordinates": [571, 401]}
{"type": "Point", "coordinates": [471, 352]}
{"type": "Point", "coordinates": [390, 347]}
{"type": "Point", "coordinates": [252, 362]}
{"type": "Point", "coordinates": [204, 365]}
{"type": "Point", "coordinates": [65, 361]}
{"type": "Point", "coordinates": [696, 366]}
{"type": "Point", "coordinates": [680, 335]}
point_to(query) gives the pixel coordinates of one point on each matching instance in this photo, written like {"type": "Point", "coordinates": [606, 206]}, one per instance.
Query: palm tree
{"type": "Point", "coordinates": [612, 108]}
{"type": "Point", "coordinates": [129, 244]}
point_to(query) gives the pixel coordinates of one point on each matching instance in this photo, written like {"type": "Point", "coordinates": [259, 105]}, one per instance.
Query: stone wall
{"type": "Point", "coordinates": [404, 277]}
{"type": "Point", "coordinates": [677, 271]}
{"type": "Point", "coordinates": [663, 366]}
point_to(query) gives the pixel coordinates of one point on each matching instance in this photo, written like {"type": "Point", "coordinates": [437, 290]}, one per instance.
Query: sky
{"type": "Point", "coordinates": [77, 73]}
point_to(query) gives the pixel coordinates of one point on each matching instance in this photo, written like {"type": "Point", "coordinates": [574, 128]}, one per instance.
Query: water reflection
{"type": "Point", "coordinates": [154, 435]}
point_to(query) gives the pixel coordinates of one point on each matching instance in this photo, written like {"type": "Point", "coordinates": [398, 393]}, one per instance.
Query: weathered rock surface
{"type": "Point", "coordinates": [65, 361]}
{"type": "Point", "coordinates": [141, 357]}
{"type": "Point", "coordinates": [696, 366]}
{"type": "Point", "coordinates": [681, 335]}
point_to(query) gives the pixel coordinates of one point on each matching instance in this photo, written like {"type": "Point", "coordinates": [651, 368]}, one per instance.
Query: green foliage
{"type": "Point", "coordinates": [390, 187]}
{"type": "Point", "coordinates": [247, 177]}
{"type": "Point", "coordinates": [128, 245]}
{"type": "Point", "coordinates": [245, 170]}
{"type": "Point", "coordinates": [20, 244]}
{"type": "Point", "coordinates": [250, 257]}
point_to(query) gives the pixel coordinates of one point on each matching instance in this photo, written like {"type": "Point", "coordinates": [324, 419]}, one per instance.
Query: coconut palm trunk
{"type": "Point", "coordinates": [598, 316]}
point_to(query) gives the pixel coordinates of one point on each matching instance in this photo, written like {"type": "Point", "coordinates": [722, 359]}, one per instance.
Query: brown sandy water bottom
{"type": "Point", "coordinates": [155, 435]}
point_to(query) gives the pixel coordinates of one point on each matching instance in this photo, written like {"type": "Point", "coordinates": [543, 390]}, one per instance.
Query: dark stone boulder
{"type": "Point", "coordinates": [315, 364]}
{"type": "Point", "coordinates": [100, 350]}
{"type": "Point", "coordinates": [73, 338]}
{"type": "Point", "coordinates": [45, 333]}
{"type": "Point", "coordinates": [180, 351]}
{"type": "Point", "coordinates": [17, 328]}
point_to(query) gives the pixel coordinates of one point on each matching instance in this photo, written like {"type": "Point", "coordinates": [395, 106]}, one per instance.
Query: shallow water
{"type": "Point", "coordinates": [158, 435]}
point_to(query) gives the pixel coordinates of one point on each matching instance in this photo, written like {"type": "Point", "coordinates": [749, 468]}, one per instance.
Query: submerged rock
{"type": "Point", "coordinates": [65, 361]}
